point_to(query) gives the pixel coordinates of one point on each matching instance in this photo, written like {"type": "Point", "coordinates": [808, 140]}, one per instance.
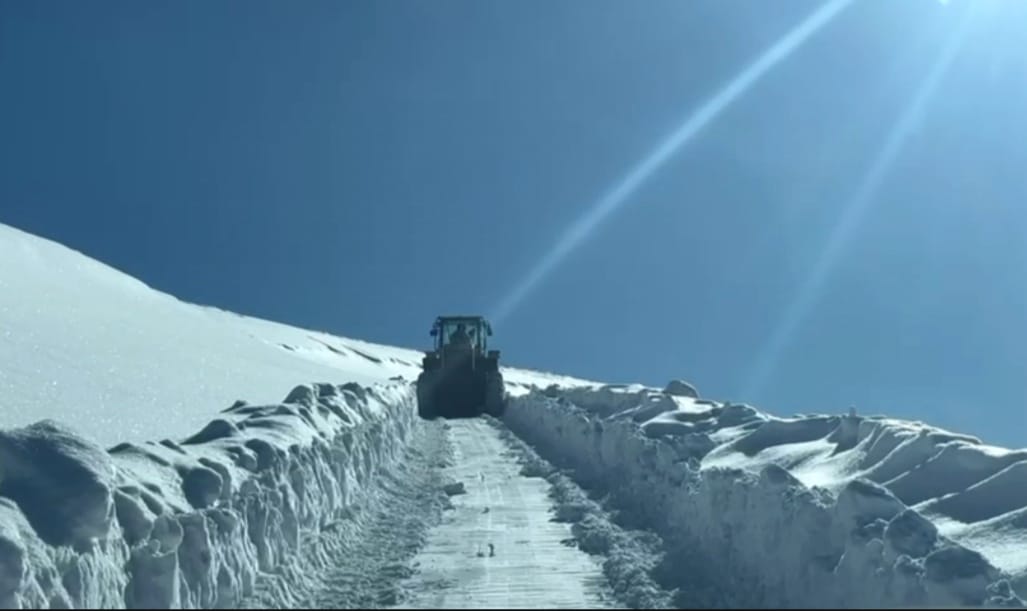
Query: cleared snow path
{"type": "Point", "coordinates": [531, 568]}
{"type": "Point", "coordinates": [360, 559]}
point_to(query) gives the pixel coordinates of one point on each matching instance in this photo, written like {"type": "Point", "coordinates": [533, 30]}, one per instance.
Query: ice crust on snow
{"type": "Point", "coordinates": [191, 524]}
{"type": "Point", "coordinates": [801, 511]}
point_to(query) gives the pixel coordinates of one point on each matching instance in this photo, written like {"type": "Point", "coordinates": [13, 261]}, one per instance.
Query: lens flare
{"type": "Point", "coordinates": [813, 286]}
{"type": "Point", "coordinates": [583, 227]}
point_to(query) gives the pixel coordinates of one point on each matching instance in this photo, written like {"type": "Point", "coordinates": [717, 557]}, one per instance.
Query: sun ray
{"type": "Point", "coordinates": [812, 288]}
{"type": "Point", "coordinates": [583, 227]}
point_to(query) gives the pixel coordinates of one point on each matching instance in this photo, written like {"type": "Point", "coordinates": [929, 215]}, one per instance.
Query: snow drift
{"type": "Point", "coordinates": [834, 511]}
{"type": "Point", "coordinates": [195, 522]}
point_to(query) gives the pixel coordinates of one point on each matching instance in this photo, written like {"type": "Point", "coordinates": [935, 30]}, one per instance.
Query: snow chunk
{"type": "Point", "coordinates": [680, 388]}
{"type": "Point", "coordinates": [60, 481]}
{"type": "Point", "coordinates": [966, 570]}
{"type": "Point", "coordinates": [735, 414]}
{"type": "Point", "coordinates": [135, 517]}
{"type": "Point", "coordinates": [216, 429]}
{"type": "Point", "coordinates": [202, 486]}
{"type": "Point", "coordinates": [864, 501]}
{"type": "Point", "coordinates": [454, 489]}
{"type": "Point", "coordinates": [912, 534]}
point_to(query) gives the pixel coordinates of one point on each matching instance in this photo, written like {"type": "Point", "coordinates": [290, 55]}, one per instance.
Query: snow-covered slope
{"type": "Point", "coordinates": [118, 361]}
{"type": "Point", "coordinates": [838, 510]}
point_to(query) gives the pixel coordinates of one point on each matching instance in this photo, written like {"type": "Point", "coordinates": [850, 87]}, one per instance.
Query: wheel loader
{"type": "Point", "coordinates": [460, 376]}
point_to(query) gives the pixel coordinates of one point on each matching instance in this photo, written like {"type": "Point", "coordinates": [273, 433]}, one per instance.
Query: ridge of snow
{"type": "Point", "coordinates": [813, 510]}
{"type": "Point", "coordinates": [192, 523]}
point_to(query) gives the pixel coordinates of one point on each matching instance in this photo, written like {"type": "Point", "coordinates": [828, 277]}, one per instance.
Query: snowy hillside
{"type": "Point", "coordinates": [155, 453]}
{"type": "Point", "coordinates": [118, 361]}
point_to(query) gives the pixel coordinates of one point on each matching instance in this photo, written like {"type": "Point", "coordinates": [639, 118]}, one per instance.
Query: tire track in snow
{"type": "Point", "coordinates": [633, 560]}
{"type": "Point", "coordinates": [371, 570]}
{"type": "Point", "coordinates": [532, 565]}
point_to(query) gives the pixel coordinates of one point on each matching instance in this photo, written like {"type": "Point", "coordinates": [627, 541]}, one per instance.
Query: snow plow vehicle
{"type": "Point", "coordinates": [460, 377]}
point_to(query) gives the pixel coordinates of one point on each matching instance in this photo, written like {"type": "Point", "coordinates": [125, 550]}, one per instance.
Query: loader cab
{"type": "Point", "coordinates": [461, 332]}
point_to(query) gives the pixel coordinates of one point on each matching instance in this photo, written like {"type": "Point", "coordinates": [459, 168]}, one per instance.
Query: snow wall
{"type": "Point", "coordinates": [760, 539]}
{"type": "Point", "coordinates": [192, 523]}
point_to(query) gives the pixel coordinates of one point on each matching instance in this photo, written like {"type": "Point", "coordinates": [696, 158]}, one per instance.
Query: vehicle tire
{"type": "Point", "coordinates": [495, 395]}
{"type": "Point", "coordinates": [425, 400]}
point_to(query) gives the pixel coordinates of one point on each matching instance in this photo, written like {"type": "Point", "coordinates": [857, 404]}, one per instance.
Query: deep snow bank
{"type": "Point", "coordinates": [192, 523]}
{"type": "Point", "coordinates": [720, 482]}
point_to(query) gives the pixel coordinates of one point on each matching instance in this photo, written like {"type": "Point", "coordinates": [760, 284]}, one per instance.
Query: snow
{"type": "Point", "coordinates": [61, 482]}
{"type": "Point", "coordinates": [133, 472]}
{"type": "Point", "coordinates": [833, 510]}
{"type": "Point", "coordinates": [115, 360]}
{"type": "Point", "coordinates": [168, 524]}
{"type": "Point", "coordinates": [497, 547]}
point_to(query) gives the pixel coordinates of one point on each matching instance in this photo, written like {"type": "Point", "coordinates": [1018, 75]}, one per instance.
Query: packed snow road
{"type": "Point", "coordinates": [497, 547]}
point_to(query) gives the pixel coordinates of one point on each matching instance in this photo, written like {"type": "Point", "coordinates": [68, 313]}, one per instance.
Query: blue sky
{"type": "Point", "coordinates": [848, 230]}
